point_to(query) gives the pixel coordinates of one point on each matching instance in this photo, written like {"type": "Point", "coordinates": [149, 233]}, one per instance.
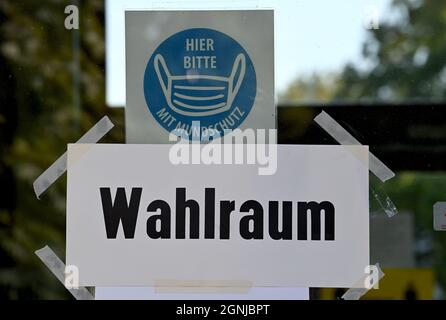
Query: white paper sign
{"type": "Point", "coordinates": [306, 225]}
{"type": "Point", "coordinates": [215, 67]}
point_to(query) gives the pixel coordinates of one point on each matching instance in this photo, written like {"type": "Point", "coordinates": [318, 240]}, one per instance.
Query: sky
{"type": "Point", "coordinates": [310, 35]}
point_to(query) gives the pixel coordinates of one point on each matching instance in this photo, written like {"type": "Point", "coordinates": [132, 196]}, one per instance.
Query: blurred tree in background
{"type": "Point", "coordinates": [44, 104]}
{"type": "Point", "coordinates": [314, 88]}
{"type": "Point", "coordinates": [405, 61]}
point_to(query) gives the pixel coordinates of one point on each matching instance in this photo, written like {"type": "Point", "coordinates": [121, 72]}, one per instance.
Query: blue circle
{"type": "Point", "coordinates": [200, 75]}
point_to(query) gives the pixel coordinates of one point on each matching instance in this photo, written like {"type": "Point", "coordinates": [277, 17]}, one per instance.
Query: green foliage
{"type": "Point", "coordinates": [313, 89]}
{"type": "Point", "coordinates": [48, 105]}
{"type": "Point", "coordinates": [404, 61]}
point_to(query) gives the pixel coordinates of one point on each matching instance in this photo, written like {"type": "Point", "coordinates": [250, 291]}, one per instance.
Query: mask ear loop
{"type": "Point", "coordinates": [239, 63]}
{"type": "Point", "coordinates": [167, 88]}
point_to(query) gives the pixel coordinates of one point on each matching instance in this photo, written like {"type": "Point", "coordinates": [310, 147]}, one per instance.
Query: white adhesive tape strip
{"type": "Point", "coordinates": [357, 292]}
{"type": "Point", "coordinates": [57, 267]}
{"type": "Point", "coordinates": [59, 167]}
{"type": "Point", "coordinates": [342, 136]}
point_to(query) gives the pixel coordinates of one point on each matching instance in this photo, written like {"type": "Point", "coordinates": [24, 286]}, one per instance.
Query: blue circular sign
{"type": "Point", "coordinates": [200, 75]}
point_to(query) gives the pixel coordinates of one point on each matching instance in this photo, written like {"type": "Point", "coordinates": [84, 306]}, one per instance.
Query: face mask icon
{"type": "Point", "coordinates": [200, 95]}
